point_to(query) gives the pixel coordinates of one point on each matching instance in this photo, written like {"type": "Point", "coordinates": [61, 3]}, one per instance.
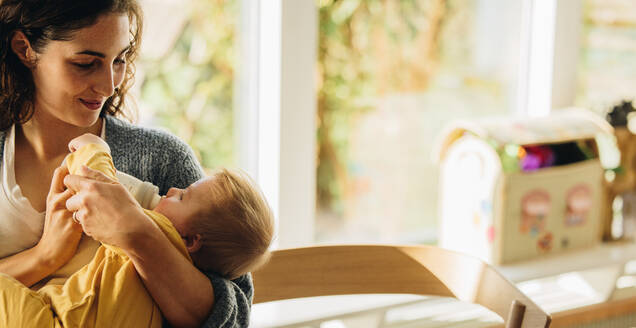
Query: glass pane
{"type": "Point", "coordinates": [391, 75]}
{"type": "Point", "coordinates": [607, 69]}
{"type": "Point", "coordinates": [185, 74]}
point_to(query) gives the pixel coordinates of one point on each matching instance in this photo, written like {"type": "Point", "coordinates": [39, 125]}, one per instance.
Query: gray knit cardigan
{"type": "Point", "coordinates": [166, 161]}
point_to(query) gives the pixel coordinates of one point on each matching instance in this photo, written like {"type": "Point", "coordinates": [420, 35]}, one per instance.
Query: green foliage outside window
{"type": "Point", "coordinates": [190, 88]}
{"type": "Point", "coordinates": [367, 49]}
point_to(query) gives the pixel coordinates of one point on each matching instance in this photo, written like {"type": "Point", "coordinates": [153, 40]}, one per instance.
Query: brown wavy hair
{"type": "Point", "coordinates": [43, 21]}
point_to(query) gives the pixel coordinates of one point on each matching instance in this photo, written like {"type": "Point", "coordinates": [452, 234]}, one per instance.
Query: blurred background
{"type": "Point", "coordinates": [388, 76]}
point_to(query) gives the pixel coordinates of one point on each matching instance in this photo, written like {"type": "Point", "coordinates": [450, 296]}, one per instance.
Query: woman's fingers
{"type": "Point", "coordinates": [74, 203]}
{"type": "Point", "coordinates": [78, 183]}
{"type": "Point", "coordinates": [58, 195]}
{"type": "Point", "coordinates": [61, 198]}
{"type": "Point", "coordinates": [94, 174]}
{"type": "Point", "coordinates": [78, 217]}
{"type": "Point", "coordinates": [57, 183]}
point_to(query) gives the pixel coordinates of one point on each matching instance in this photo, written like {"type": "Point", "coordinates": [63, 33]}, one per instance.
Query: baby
{"type": "Point", "coordinates": [229, 227]}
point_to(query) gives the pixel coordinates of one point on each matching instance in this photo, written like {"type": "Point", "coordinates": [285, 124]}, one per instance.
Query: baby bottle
{"type": "Point", "coordinates": [146, 194]}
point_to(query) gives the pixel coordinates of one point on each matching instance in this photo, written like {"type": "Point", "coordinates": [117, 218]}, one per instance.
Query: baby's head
{"type": "Point", "coordinates": [224, 220]}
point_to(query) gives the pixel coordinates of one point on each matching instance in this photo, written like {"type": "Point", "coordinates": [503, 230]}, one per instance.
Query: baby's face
{"type": "Point", "coordinates": [180, 206]}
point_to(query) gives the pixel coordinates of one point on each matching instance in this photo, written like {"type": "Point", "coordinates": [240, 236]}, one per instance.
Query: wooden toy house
{"type": "Point", "coordinates": [504, 199]}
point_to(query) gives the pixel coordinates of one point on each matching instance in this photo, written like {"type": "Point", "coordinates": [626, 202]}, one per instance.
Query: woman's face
{"type": "Point", "coordinates": [74, 78]}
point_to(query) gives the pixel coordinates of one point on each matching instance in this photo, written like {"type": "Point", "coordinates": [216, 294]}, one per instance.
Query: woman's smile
{"type": "Point", "coordinates": [92, 104]}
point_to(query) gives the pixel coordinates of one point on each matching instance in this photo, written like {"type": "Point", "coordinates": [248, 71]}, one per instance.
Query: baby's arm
{"type": "Point", "coordinates": [179, 310]}
{"type": "Point", "coordinates": [92, 151]}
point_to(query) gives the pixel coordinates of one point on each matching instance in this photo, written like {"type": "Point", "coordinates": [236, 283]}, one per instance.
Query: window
{"type": "Point", "coordinates": [186, 74]}
{"type": "Point", "coordinates": [391, 75]}
{"type": "Point", "coordinates": [607, 70]}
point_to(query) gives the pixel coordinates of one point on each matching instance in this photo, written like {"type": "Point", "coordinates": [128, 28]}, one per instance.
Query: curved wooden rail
{"type": "Point", "coordinates": [381, 269]}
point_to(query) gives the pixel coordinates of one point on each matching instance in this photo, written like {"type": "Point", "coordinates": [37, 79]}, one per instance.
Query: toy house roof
{"type": "Point", "coordinates": [562, 125]}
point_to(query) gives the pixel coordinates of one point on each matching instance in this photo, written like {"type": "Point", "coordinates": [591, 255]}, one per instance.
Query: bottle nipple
{"type": "Point", "coordinates": [155, 200]}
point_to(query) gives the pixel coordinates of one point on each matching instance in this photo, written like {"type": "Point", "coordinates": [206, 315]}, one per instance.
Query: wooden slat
{"type": "Point", "coordinates": [377, 269]}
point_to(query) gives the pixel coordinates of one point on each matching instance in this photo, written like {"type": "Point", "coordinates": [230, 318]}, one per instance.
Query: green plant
{"type": "Point", "coordinates": [191, 87]}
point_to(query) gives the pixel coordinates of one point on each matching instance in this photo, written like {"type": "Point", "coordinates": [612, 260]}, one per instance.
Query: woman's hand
{"type": "Point", "coordinates": [61, 234]}
{"type": "Point", "coordinates": [111, 215]}
{"type": "Point", "coordinates": [105, 208]}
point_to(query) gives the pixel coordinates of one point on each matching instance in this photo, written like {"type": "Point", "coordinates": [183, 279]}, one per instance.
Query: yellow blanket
{"type": "Point", "coordinates": [107, 292]}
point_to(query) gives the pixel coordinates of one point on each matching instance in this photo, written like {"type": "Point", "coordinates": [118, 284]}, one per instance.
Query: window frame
{"type": "Point", "coordinates": [276, 109]}
{"type": "Point", "coordinates": [549, 55]}
{"type": "Point", "coordinates": [275, 100]}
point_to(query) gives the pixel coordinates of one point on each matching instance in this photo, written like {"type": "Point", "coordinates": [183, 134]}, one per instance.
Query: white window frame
{"type": "Point", "coordinates": [549, 53]}
{"type": "Point", "coordinates": [276, 97]}
{"type": "Point", "coordinates": [276, 110]}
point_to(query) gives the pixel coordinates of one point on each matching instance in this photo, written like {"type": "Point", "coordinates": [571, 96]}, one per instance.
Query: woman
{"type": "Point", "coordinates": [65, 69]}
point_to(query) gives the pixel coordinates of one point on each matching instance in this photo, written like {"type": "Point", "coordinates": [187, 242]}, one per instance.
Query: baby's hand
{"type": "Point", "coordinates": [86, 139]}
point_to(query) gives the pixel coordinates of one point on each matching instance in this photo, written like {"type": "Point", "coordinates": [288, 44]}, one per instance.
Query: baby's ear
{"type": "Point", "coordinates": [193, 243]}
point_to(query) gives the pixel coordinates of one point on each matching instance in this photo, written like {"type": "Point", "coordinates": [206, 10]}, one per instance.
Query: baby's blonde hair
{"type": "Point", "coordinates": [236, 229]}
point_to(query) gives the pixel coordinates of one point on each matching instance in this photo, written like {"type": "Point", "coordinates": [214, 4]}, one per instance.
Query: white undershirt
{"type": "Point", "coordinates": [21, 225]}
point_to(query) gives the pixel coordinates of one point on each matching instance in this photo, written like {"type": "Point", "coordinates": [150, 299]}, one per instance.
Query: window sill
{"type": "Point", "coordinates": [602, 255]}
